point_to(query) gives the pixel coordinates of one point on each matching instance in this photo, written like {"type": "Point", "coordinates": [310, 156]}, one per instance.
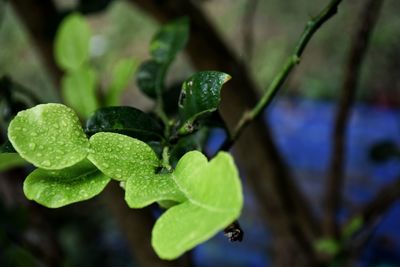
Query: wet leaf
{"type": "Point", "coordinates": [125, 120]}
{"type": "Point", "coordinates": [49, 136]}
{"type": "Point", "coordinates": [214, 200]}
{"type": "Point", "coordinates": [130, 160]}
{"type": "Point", "coordinates": [200, 96]}
{"type": "Point", "coordinates": [55, 189]}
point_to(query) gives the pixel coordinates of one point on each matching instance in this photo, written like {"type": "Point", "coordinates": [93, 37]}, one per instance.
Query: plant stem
{"type": "Point", "coordinates": [311, 27]}
{"type": "Point", "coordinates": [165, 158]}
{"type": "Point", "coordinates": [160, 103]}
{"type": "Point", "coordinates": [366, 21]}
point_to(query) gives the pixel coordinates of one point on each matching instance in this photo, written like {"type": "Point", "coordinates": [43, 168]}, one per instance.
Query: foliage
{"type": "Point", "coordinates": [137, 149]}
{"type": "Point", "coordinates": [79, 84]}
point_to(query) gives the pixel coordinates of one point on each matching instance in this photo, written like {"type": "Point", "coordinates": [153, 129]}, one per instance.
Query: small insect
{"type": "Point", "coordinates": [233, 232]}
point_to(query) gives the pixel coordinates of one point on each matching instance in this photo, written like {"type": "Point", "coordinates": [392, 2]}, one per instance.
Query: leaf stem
{"type": "Point", "coordinates": [311, 27]}
{"type": "Point", "coordinates": [165, 158]}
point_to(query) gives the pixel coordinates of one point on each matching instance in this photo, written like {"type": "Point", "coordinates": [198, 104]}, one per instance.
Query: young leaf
{"type": "Point", "coordinates": [55, 189]}
{"type": "Point", "coordinates": [130, 160]}
{"type": "Point", "coordinates": [149, 74]}
{"type": "Point", "coordinates": [72, 42]}
{"type": "Point", "coordinates": [49, 136]}
{"type": "Point", "coordinates": [122, 74]}
{"type": "Point", "coordinates": [125, 120]}
{"type": "Point", "coordinates": [79, 90]}
{"type": "Point", "coordinates": [215, 199]}
{"type": "Point", "coordinates": [11, 160]}
{"type": "Point", "coordinates": [200, 96]}
{"type": "Point", "coordinates": [171, 39]}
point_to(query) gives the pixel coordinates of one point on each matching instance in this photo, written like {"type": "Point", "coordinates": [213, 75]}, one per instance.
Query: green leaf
{"type": "Point", "coordinates": [200, 96]}
{"type": "Point", "coordinates": [49, 136]}
{"type": "Point", "coordinates": [171, 39]}
{"type": "Point", "coordinates": [125, 120]}
{"type": "Point", "coordinates": [122, 74]}
{"type": "Point", "coordinates": [150, 78]}
{"type": "Point", "coordinates": [328, 246]}
{"type": "Point", "coordinates": [11, 160]}
{"type": "Point", "coordinates": [128, 159]}
{"type": "Point", "coordinates": [117, 155]}
{"type": "Point", "coordinates": [55, 189]}
{"type": "Point", "coordinates": [215, 199]}
{"type": "Point", "coordinates": [79, 90]}
{"type": "Point", "coordinates": [72, 42]}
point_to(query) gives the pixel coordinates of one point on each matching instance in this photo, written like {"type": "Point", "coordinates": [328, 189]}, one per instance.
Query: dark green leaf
{"type": "Point", "coordinates": [200, 96]}
{"type": "Point", "coordinates": [125, 120]}
{"type": "Point", "coordinates": [170, 98]}
{"type": "Point", "coordinates": [188, 143]}
{"type": "Point", "coordinates": [170, 40]}
{"type": "Point", "coordinates": [7, 147]}
{"type": "Point", "coordinates": [149, 74]}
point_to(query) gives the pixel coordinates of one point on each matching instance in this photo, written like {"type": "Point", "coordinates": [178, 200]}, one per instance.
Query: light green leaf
{"type": "Point", "coordinates": [72, 42]}
{"type": "Point", "coordinates": [49, 136]}
{"type": "Point", "coordinates": [122, 74]}
{"type": "Point", "coordinates": [128, 159]}
{"type": "Point", "coordinates": [55, 189]}
{"type": "Point", "coordinates": [143, 189]}
{"type": "Point", "coordinates": [200, 96]}
{"type": "Point", "coordinates": [11, 160]}
{"type": "Point", "coordinates": [118, 155]}
{"type": "Point", "coordinates": [215, 199]}
{"type": "Point", "coordinates": [171, 38]}
{"type": "Point", "coordinates": [79, 90]}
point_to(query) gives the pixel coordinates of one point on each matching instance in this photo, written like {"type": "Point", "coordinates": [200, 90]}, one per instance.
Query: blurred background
{"type": "Point", "coordinates": [260, 35]}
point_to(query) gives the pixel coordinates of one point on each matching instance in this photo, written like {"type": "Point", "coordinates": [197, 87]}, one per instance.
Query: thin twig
{"type": "Point", "coordinates": [371, 215]}
{"type": "Point", "coordinates": [311, 27]}
{"type": "Point", "coordinates": [333, 191]}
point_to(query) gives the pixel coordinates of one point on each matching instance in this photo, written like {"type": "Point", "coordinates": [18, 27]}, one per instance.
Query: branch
{"type": "Point", "coordinates": [312, 26]}
{"type": "Point", "coordinates": [286, 210]}
{"type": "Point", "coordinates": [372, 215]}
{"type": "Point", "coordinates": [358, 49]}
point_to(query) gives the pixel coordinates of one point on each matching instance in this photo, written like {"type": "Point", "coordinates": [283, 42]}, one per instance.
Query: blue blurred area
{"type": "Point", "coordinates": [302, 129]}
